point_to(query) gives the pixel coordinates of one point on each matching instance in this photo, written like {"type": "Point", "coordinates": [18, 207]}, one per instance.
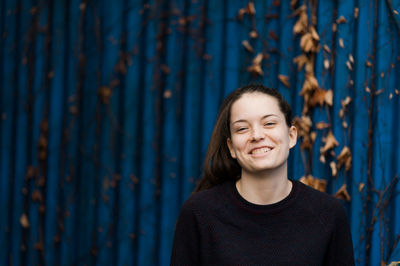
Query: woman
{"type": "Point", "coordinates": [245, 210]}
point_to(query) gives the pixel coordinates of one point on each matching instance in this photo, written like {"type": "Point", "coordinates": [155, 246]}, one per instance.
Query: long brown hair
{"type": "Point", "coordinates": [219, 166]}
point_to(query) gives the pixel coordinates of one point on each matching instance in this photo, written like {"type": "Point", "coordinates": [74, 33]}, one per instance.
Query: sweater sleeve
{"type": "Point", "coordinates": [340, 249]}
{"type": "Point", "coordinates": [186, 246]}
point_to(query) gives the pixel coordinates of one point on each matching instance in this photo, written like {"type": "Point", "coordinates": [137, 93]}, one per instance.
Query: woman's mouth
{"type": "Point", "coordinates": [261, 150]}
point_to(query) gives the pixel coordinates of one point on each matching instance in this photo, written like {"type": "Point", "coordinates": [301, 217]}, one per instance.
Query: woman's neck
{"type": "Point", "coordinates": [264, 189]}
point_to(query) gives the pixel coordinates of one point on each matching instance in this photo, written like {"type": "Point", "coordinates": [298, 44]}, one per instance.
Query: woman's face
{"type": "Point", "coordinates": [260, 138]}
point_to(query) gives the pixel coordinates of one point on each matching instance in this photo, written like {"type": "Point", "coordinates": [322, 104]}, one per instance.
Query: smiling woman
{"type": "Point", "coordinates": [246, 210]}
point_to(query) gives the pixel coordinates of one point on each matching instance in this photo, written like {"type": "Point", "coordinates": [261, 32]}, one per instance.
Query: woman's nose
{"type": "Point", "coordinates": [257, 134]}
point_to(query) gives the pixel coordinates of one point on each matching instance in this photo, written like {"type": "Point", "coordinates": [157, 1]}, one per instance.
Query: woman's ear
{"type": "Point", "coordinates": [230, 147]}
{"type": "Point", "coordinates": [292, 136]}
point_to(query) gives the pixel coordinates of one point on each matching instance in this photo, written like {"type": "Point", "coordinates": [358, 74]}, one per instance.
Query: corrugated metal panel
{"type": "Point", "coordinates": [107, 109]}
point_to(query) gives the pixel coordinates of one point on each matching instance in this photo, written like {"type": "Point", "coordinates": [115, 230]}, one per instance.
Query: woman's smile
{"type": "Point", "coordinates": [260, 151]}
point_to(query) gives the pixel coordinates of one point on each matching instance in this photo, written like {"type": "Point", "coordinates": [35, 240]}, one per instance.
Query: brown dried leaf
{"type": "Point", "coordinates": [318, 97]}
{"type": "Point", "coordinates": [167, 94]}
{"type": "Point", "coordinates": [241, 13]}
{"type": "Point", "coordinates": [361, 187]}
{"type": "Point", "coordinates": [38, 245]}
{"type": "Point", "coordinates": [285, 80]}
{"type": "Point", "coordinates": [114, 83]}
{"type": "Point", "coordinates": [185, 20]}
{"type": "Point", "coordinates": [251, 10]}
{"type": "Point", "coordinates": [73, 110]}
{"type": "Point", "coordinates": [334, 27]}
{"type": "Point", "coordinates": [253, 34]}
{"type": "Point", "coordinates": [341, 19]}
{"type": "Point", "coordinates": [329, 97]}
{"type": "Point", "coordinates": [345, 158]}
{"type": "Point", "coordinates": [207, 57]}
{"type": "Point", "coordinates": [299, 10]}
{"type": "Point", "coordinates": [255, 70]}
{"type": "Point", "coordinates": [165, 69]}
{"type": "Point", "coordinates": [346, 101]}
{"type": "Point", "coordinates": [313, 81]}
{"type": "Point", "coordinates": [258, 59]}
{"type": "Point", "coordinates": [326, 48]}
{"type": "Point", "coordinates": [273, 35]}
{"type": "Point", "coordinates": [349, 66]}
{"type": "Point", "coordinates": [303, 126]}
{"type": "Point", "coordinates": [342, 193]}
{"type": "Point", "coordinates": [42, 142]}
{"type": "Point", "coordinates": [310, 84]}
{"type": "Point", "coordinates": [341, 44]}
{"type": "Point", "coordinates": [42, 209]}
{"type": "Point", "coordinates": [351, 58]}
{"type": "Point", "coordinates": [31, 171]}
{"type": "Point", "coordinates": [302, 23]}
{"type": "Point", "coordinates": [330, 142]}
{"type": "Point", "coordinates": [24, 221]}
{"type": "Point", "coordinates": [379, 91]}
{"type": "Point", "coordinates": [316, 183]}
{"type": "Point", "coordinates": [321, 125]}
{"type": "Point", "coordinates": [310, 66]}
{"type": "Point", "coordinates": [333, 168]}
{"type": "Point", "coordinates": [313, 136]}
{"type": "Point", "coordinates": [33, 10]}
{"type": "Point", "coordinates": [306, 42]}
{"type": "Point", "coordinates": [41, 181]}
{"type": "Point", "coordinates": [326, 64]}
{"type": "Point", "coordinates": [247, 46]}
{"type": "Point", "coordinates": [293, 3]}
{"type": "Point", "coordinates": [314, 33]}
{"type": "Point", "coordinates": [37, 196]}
{"type": "Point", "coordinates": [322, 159]}
{"type": "Point", "coordinates": [105, 93]}
{"type": "Point", "coordinates": [300, 61]}
{"type": "Point", "coordinates": [356, 10]}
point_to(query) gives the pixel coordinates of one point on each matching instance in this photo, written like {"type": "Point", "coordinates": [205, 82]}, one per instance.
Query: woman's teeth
{"type": "Point", "coordinates": [261, 150]}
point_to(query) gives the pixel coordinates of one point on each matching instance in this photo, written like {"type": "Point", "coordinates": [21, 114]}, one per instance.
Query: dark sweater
{"type": "Point", "coordinates": [219, 227]}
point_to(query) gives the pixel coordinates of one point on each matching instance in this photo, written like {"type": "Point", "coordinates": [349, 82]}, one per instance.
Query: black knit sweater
{"type": "Point", "coordinates": [219, 227]}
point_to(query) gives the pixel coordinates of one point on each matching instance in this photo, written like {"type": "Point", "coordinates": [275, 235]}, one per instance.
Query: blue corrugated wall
{"type": "Point", "coordinates": [106, 109]}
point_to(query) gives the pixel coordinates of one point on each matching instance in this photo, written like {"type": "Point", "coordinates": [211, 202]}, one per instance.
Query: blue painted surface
{"type": "Point", "coordinates": [114, 174]}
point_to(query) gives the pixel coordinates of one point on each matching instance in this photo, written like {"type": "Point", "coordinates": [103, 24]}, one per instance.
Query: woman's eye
{"type": "Point", "coordinates": [269, 124]}
{"type": "Point", "coordinates": [241, 129]}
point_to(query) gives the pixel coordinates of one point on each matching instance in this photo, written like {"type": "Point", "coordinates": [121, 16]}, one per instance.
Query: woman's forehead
{"type": "Point", "coordinates": [257, 105]}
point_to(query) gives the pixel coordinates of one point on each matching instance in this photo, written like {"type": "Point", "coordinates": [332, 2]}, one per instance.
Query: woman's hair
{"type": "Point", "coordinates": [219, 166]}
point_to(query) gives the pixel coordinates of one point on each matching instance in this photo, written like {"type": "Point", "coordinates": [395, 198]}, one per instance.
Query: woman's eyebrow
{"type": "Point", "coordinates": [266, 116]}
{"type": "Point", "coordinates": [244, 120]}
{"type": "Point", "coordinates": [239, 121]}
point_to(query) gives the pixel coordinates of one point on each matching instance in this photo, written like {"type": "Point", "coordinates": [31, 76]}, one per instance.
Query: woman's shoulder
{"type": "Point", "coordinates": [320, 201]}
{"type": "Point", "coordinates": [207, 199]}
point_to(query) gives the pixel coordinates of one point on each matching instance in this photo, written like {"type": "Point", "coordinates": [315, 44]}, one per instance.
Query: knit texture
{"type": "Point", "coordinates": [219, 227]}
